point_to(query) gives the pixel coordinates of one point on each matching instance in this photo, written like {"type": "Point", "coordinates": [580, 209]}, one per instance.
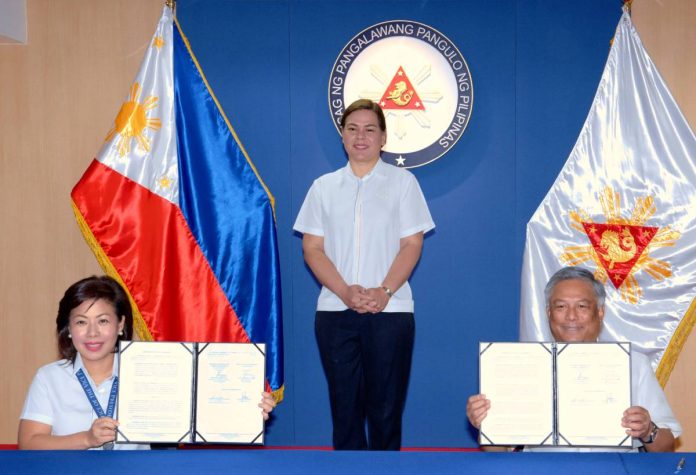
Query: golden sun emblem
{"type": "Point", "coordinates": [165, 182]}
{"type": "Point", "coordinates": [132, 120]}
{"type": "Point", "coordinates": [158, 42]}
{"type": "Point", "coordinates": [620, 247]}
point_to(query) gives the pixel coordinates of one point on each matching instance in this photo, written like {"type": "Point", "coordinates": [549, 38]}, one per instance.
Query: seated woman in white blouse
{"type": "Point", "coordinates": [93, 315]}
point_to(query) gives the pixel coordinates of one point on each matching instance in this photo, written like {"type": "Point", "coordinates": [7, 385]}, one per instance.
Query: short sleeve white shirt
{"type": "Point", "coordinates": [57, 399]}
{"type": "Point", "coordinates": [362, 221]}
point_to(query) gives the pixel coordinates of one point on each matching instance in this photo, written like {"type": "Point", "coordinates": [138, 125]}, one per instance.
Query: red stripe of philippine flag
{"type": "Point", "coordinates": [175, 210]}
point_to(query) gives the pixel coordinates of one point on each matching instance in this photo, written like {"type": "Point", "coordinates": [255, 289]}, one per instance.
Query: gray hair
{"type": "Point", "coordinates": [580, 273]}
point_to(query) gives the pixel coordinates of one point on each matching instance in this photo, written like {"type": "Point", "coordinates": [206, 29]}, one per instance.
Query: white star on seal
{"type": "Point", "coordinates": [400, 161]}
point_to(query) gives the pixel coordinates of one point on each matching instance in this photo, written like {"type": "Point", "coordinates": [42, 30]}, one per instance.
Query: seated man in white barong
{"type": "Point", "coordinates": [575, 309]}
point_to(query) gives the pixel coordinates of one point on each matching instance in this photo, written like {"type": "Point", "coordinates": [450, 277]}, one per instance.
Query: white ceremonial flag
{"type": "Point", "coordinates": [624, 206]}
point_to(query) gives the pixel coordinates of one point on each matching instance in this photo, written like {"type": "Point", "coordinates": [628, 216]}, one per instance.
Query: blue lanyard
{"type": "Point", "coordinates": [89, 392]}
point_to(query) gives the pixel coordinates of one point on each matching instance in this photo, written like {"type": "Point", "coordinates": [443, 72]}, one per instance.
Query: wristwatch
{"type": "Point", "coordinates": [652, 435]}
{"type": "Point", "coordinates": [387, 291]}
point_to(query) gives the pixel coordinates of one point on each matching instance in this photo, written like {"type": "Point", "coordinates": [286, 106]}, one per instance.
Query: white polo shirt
{"type": "Point", "coordinates": [362, 221]}
{"type": "Point", "coordinates": [56, 398]}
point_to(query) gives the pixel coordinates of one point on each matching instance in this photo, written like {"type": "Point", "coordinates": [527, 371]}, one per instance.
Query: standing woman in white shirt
{"type": "Point", "coordinates": [71, 402]}
{"type": "Point", "coordinates": [363, 228]}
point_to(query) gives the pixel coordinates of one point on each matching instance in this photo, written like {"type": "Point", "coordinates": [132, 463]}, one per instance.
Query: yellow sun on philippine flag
{"type": "Point", "coordinates": [158, 42]}
{"type": "Point", "coordinates": [132, 120]}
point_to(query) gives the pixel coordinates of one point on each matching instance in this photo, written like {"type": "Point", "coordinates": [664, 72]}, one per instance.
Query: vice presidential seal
{"type": "Point", "coordinates": [420, 79]}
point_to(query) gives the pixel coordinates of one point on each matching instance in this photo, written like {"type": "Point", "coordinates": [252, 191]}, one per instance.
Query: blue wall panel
{"type": "Point", "coordinates": [535, 66]}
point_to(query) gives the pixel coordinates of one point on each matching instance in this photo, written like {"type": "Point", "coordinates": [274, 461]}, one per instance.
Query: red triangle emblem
{"type": "Point", "coordinates": [401, 94]}
{"type": "Point", "coordinates": [619, 246]}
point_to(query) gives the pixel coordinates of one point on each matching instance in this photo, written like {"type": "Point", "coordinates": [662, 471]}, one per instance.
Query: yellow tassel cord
{"type": "Point", "coordinates": [279, 394]}
{"type": "Point", "coordinates": [224, 116]}
{"type": "Point", "coordinates": [139, 324]}
{"type": "Point", "coordinates": [669, 359]}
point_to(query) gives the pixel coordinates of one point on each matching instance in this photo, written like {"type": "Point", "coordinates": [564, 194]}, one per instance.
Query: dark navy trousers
{"type": "Point", "coordinates": [367, 362]}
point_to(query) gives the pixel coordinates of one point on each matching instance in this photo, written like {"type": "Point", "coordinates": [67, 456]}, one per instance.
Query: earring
{"type": "Point", "coordinates": [120, 333]}
{"type": "Point", "coordinates": [69, 335]}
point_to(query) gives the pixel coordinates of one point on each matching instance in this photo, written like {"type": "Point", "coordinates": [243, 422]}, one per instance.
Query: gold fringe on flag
{"type": "Point", "coordinates": [139, 325]}
{"type": "Point", "coordinates": [669, 358]}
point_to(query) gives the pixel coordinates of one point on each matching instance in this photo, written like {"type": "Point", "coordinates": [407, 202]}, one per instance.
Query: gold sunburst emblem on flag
{"type": "Point", "coordinates": [620, 247]}
{"type": "Point", "coordinates": [158, 42]}
{"type": "Point", "coordinates": [132, 120]}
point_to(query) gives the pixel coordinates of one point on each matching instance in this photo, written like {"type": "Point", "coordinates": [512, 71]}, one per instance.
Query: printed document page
{"type": "Point", "coordinates": [594, 389]}
{"type": "Point", "coordinates": [230, 381]}
{"type": "Point", "coordinates": [155, 388]}
{"type": "Point", "coordinates": [518, 380]}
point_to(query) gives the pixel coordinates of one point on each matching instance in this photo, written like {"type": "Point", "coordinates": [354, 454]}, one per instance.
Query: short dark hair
{"type": "Point", "coordinates": [365, 104]}
{"type": "Point", "coordinates": [91, 288]}
{"type": "Point", "coordinates": [580, 273]}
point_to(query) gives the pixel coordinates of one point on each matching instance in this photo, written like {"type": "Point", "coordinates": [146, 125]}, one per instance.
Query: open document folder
{"type": "Point", "coordinates": [566, 394]}
{"type": "Point", "coordinates": [172, 392]}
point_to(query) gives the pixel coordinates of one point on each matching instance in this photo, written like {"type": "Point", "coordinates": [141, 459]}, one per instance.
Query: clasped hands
{"type": "Point", "coordinates": [364, 300]}
{"type": "Point", "coordinates": [636, 419]}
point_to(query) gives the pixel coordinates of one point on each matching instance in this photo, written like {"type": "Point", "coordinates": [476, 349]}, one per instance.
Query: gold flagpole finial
{"type": "Point", "coordinates": [170, 3]}
{"type": "Point", "coordinates": [627, 6]}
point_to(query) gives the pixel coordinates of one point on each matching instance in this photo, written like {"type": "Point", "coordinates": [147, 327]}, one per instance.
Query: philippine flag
{"type": "Point", "coordinates": [175, 210]}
